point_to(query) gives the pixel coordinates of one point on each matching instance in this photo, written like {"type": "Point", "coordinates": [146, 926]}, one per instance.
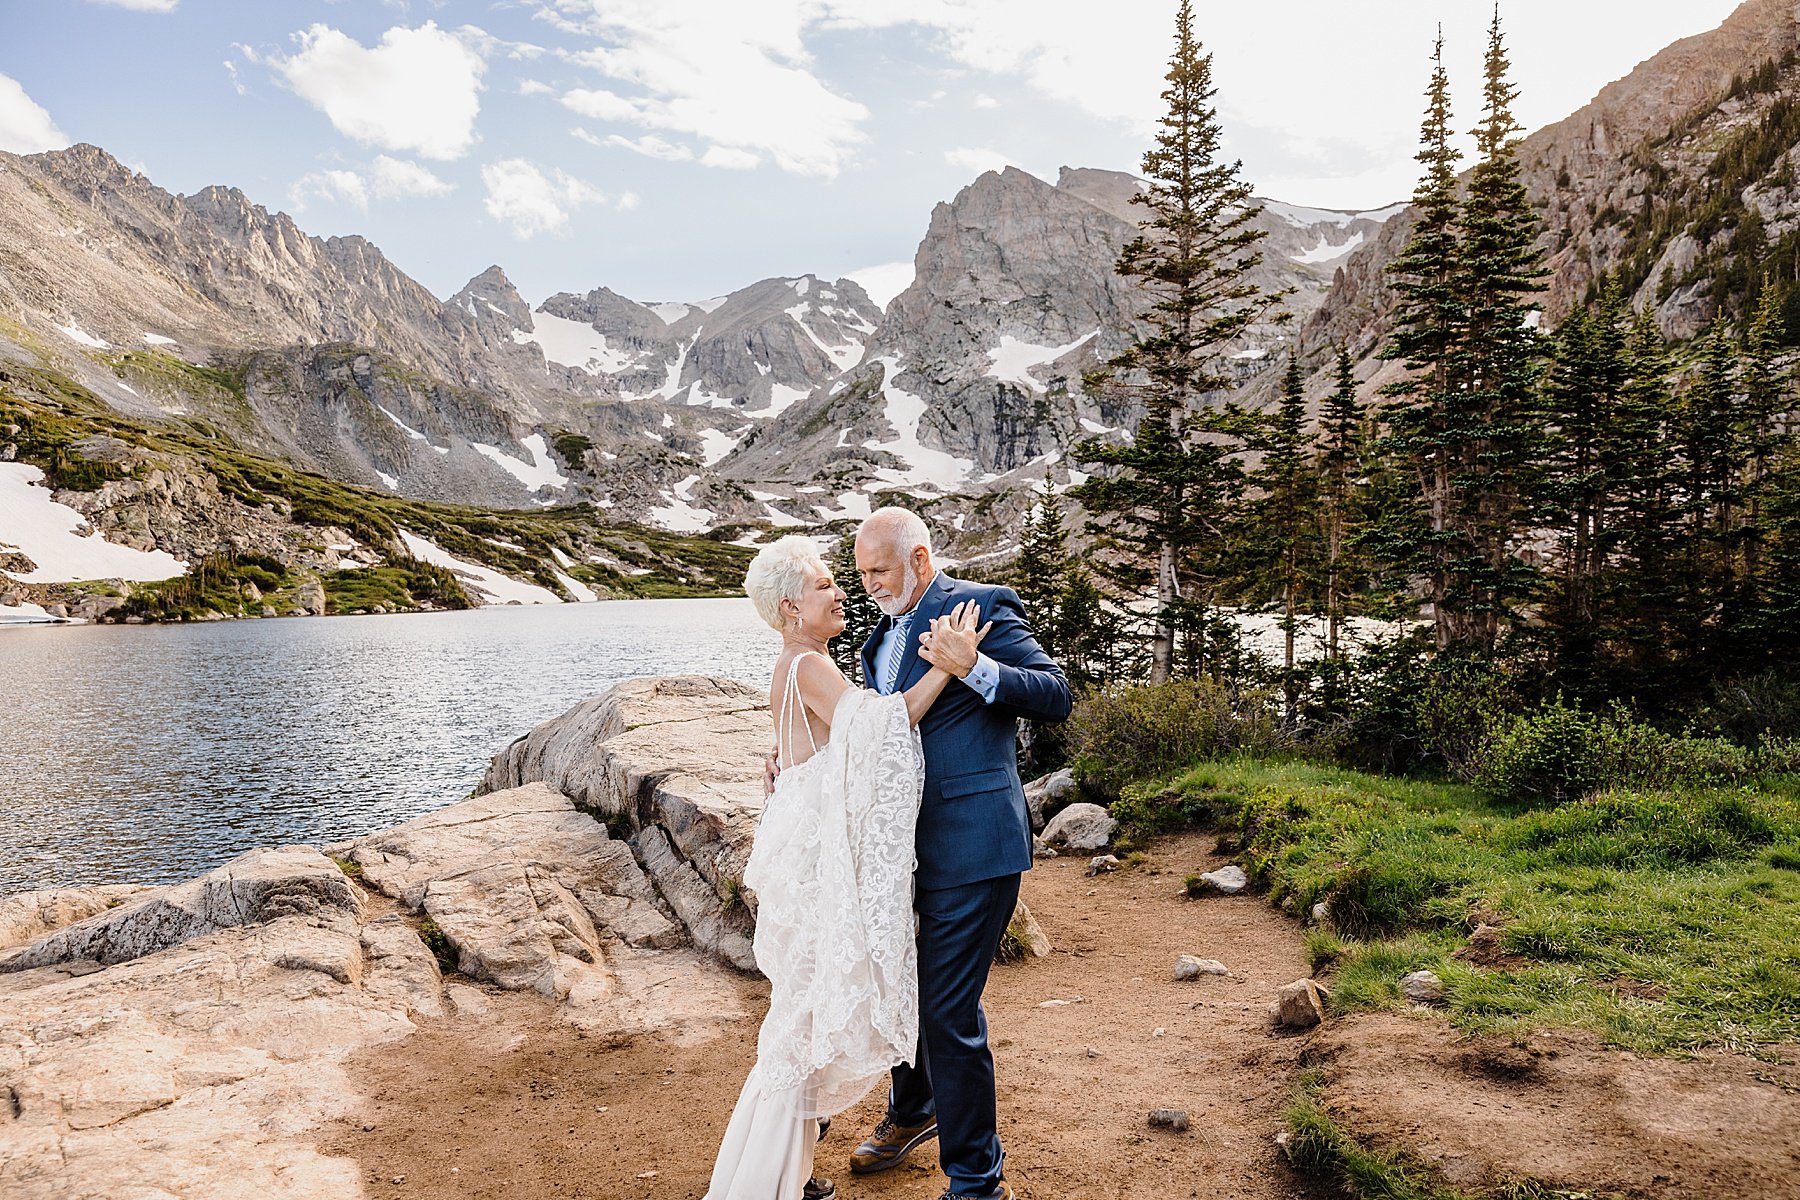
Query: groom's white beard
{"type": "Point", "coordinates": [893, 606]}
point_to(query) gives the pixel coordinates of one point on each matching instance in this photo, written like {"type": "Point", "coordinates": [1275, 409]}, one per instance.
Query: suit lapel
{"type": "Point", "coordinates": [930, 605]}
{"type": "Point", "coordinates": [868, 650]}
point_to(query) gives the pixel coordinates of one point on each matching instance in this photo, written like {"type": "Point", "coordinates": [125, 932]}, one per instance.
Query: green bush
{"type": "Point", "coordinates": [1558, 753]}
{"type": "Point", "coordinates": [1121, 735]}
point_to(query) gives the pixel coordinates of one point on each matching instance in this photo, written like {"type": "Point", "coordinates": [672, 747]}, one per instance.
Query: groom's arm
{"type": "Point", "coordinates": [1012, 670]}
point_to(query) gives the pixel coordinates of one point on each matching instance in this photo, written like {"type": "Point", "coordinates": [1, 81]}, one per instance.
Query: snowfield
{"type": "Point", "coordinates": [45, 532]}
{"type": "Point", "coordinates": [487, 585]}
{"type": "Point", "coordinates": [1014, 360]}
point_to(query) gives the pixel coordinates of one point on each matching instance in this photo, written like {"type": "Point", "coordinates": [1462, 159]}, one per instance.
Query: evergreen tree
{"type": "Point", "coordinates": [1500, 269]}
{"type": "Point", "coordinates": [1280, 524]}
{"type": "Point", "coordinates": [1341, 430]}
{"type": "Point", "coordinates": [1040, 571]}
{"type": "Point", "coordinates": [1712, 461]}
{"type": "Point", "coordinates": [1768, 396]}
{"type": "Point", "coordinates": [1159, 501]}
{"type": "Point", "coordinates": [861, 614]}
{"type": "Point", "coordinates": [1422, 442]}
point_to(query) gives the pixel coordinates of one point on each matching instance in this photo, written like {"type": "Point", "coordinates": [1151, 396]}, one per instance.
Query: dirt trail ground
{"type": "Point", "coordinates": [519, 1105]}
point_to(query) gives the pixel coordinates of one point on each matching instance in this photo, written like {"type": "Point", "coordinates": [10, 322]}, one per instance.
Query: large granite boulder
{"type": "Point", "coordinates": [678, 760]}
{"type": "Point", "coordinates": [521, 885]}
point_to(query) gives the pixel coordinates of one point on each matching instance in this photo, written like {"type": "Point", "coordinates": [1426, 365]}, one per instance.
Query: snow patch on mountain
{"type": "Point", "coordinates": [538, 473]}
{"type": "Point", "coordinates": [925, 465]}
{"type": "Point", "coordinates": [1301, 216]}
{"type": "Point", "coordinates": [33, 523]}
{"type": "Point", "coordinates": [715, 445]}
{"type": "Point", "coordinates": [572, 344]}
{"type": "Point", "coordinates": [1013, 360]}
{"type": "Point", "coordinates": [76, 333]}
{"type": "Point", "coordinates": [488, 585]}
{"type": "Point", "coordinates": [157, 339]}
{"type": "Point", "coordinates": [680, 514]}
{"type": "Point", "coordinates": [670, 311]}
{"type": "Point", "coordinates": [1326, 252]}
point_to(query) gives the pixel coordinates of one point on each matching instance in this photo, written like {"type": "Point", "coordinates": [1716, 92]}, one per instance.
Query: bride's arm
{"type": "Point", "coordinates": [923, 694]}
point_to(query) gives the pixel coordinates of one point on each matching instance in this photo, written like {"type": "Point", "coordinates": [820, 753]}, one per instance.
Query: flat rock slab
{"type": "Point", "coordinates": [28, 916]}
{"type": "Point", "coordinates": [522, 885]}
{"type": "Point", "coordinates": [255, 887]}
{"type": "Point", "coordinates": [1081, 827]}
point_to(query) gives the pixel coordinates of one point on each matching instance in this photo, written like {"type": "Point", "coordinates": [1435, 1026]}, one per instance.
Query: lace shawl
{"type": "Point", "coordinates": [832, 870]}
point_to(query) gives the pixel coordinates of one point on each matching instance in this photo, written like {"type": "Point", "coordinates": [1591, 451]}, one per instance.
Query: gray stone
{"type": "Point", "coordinates": [1081, 827]}
{"type": "Point", "coordinates": [1226, 881]}
{"type": "Point", "coordinates": [1102, 863]}
{"type": "Point", "coordinates": [259, 886]}
{"type": "Point", "coordinates": [1029, 936]}
{"type": "Point", "coordinates": [27, 916]}
{"type": "Point", "coordinates": [1299, 1005]}
{"type": "Point", "coordinates": [1187, 966]}
{"type": "Point", "coordinates": [1046, 792]}
{"type": "Point", "coordinates": [1423, 987]}
{"type": "Point", "coordinates": [310, 598]}
{"type": "Point", "coordinates": [1173, 1119]}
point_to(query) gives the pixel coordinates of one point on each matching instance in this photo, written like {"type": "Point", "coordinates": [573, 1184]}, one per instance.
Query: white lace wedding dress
{"type": "Point", "coordinates": [832, 870]}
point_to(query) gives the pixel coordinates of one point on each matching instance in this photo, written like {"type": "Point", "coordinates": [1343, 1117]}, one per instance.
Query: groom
{"type": "Point", "coordinates": [974, 839]}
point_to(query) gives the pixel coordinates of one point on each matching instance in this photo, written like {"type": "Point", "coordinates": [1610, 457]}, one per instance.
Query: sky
{"type": "Point", "coordinates": [679, 149]}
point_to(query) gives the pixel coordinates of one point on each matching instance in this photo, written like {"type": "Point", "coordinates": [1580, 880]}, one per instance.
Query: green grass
{"type": "Point", "coordinates": [438, 942]}
{"type": "Point", "coordinates": [1663, 921]}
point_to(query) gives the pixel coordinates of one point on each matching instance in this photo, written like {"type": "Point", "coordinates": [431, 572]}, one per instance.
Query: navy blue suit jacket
{"type": "Point", "coordinates": [972, 821]}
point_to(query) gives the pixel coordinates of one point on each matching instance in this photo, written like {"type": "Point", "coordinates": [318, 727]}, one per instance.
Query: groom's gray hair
{"type": "Point", "coordinates": [905, 528]}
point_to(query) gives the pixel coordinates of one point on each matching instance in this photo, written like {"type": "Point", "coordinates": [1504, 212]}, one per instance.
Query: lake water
{"type": "Point", "coordinates": [148, 754]}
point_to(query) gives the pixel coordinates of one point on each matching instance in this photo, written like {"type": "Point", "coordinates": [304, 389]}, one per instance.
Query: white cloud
{"type": "Point", "coordinates": [395, 177]}
{"type": "Point", "coordinates": [237, 84]}
{"type": "Point", "coordinates": [417, 90]}
{"type": "Point", "coordinates": [971, 158]}
{"type": "Point", "coordinates": [729, 157]}
{"type": "Point", "coordinates": [651, 146]}
{"type": "Point", "coordinates": [532, 202]}
{"type": "Point", "coordinates": [534, 87]}
{"type": "Point", "coordinates": [332, 186]}
{"type": "Point", "coordinates": [983, 100]}
{"type": "Point", "coordinates": [152, 6]}
{"type": "Point", "coordinates": [25, 128]}
{"type": "Point", "coordinates": [737, 76]}
{"type": "Point", "coordinates": [626, 202]}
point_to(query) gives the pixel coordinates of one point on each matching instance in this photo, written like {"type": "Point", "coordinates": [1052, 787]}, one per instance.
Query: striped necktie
{"type": "Point", "coordinates": [896, 648]}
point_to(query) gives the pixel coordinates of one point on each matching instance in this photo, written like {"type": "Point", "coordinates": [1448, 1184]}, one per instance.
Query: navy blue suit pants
{"type": "Point", "coordinates": [953, 1075]}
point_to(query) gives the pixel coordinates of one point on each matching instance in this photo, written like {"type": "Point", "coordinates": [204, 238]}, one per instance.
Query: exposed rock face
{"type": "Point", "coordinates": [197, 1063]}
{"type": "Point", "coordinates": [27, 916]}
{"type": "Point", "coordinates": [679, 760]}
{"type": "Point", "coordinates": [521, 885]}
{"type": "Point", "coordinates": [251, 889]}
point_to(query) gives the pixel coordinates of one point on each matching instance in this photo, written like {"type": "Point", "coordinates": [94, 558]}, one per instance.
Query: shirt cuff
{"type": "Point", "coordinates": [984, 678]}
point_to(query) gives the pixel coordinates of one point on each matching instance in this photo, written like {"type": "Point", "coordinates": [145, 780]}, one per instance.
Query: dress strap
{"type": "Point", "coordinates": [791, 705]}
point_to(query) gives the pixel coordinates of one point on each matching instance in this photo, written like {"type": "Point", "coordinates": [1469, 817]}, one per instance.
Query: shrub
{"type": "Point", "coordinates": [1121, 735]}
{"type": "Point", "coordinates": [1551, 756]}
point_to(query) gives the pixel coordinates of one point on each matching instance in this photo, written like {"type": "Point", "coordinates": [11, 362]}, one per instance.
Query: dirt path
{"type": "Point", "coordinates": [519, 1105]}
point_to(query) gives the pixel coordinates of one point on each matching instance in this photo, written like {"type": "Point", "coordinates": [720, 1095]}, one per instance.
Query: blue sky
{"type": "Point", "coordinates": [676, 149]}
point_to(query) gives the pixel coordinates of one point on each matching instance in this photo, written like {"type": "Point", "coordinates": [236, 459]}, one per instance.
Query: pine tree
{"type": "Point", "coordinates": [1161, 498]}
{"type": "Point", "coordinates": [1040, 571]}
{"type": "Point", "coordinates": [1640, 596]}
{"type": "Point", "coordinates": [1419, 537]}
{"type": "Point", "coordinates": [1712, 459]}
{"type": "Point", "coordinates": [861, 614]}
{"type": "Point", "coordinates": [1339, 461]}
{"type": "Point", "coordinates": [1768, 396]}
{"type": "Point", "coordinates": [1500, 269]}
{"type": "Point", "coordinates": [1279, 525]}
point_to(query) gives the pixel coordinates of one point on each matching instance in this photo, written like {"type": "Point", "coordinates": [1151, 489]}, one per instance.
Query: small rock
{"type": "Point", "coordinates": [1039, 850]}
{"type": "Point", "coordinates": [1092, 1053]}
{"type": "Point", "coordinates": [398, 1179]}
{"type": "Point", "coordinates": [1226, 881]}
{"type": "Point", "coordinates": [646, 1174]}
{"type": "Point", "coordinates": [1423, 987]}
{"type": "Point", "coordinates": [1103, 862]}
{"type": "Point", "coordinates": [1299, 1005]}
{"type": "Point", "coordinates": [1187, 966]}
{"type": "Point", "coordinates": [1027, 934]}
{"type": "Point", "coordinates": [1319, 913]}
{"type": "Point", "coordinates": [1159, 1031]}
{"type": "Point", "coordinates": [1175, 1119]}
{"type": "Point", "coordinates": [1046, 792]}
{"type": "Point", "coordinates": [1084, 828]}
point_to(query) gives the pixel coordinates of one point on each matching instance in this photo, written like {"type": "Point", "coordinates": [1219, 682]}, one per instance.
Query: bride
{"type": "Point", "coordinates": [832, 870]}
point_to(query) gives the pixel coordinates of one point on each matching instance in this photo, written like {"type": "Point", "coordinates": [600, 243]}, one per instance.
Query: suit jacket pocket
{"type": "Point", "coordinates": [974, 783]}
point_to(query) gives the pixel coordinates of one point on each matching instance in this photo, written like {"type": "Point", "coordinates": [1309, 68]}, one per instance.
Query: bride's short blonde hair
{"type": "Point", "coordinates": [779, 572]}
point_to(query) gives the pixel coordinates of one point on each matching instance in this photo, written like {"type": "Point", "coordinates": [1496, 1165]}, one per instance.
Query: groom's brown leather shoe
{"type": "Point", "coordinates": [889, 1145]}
